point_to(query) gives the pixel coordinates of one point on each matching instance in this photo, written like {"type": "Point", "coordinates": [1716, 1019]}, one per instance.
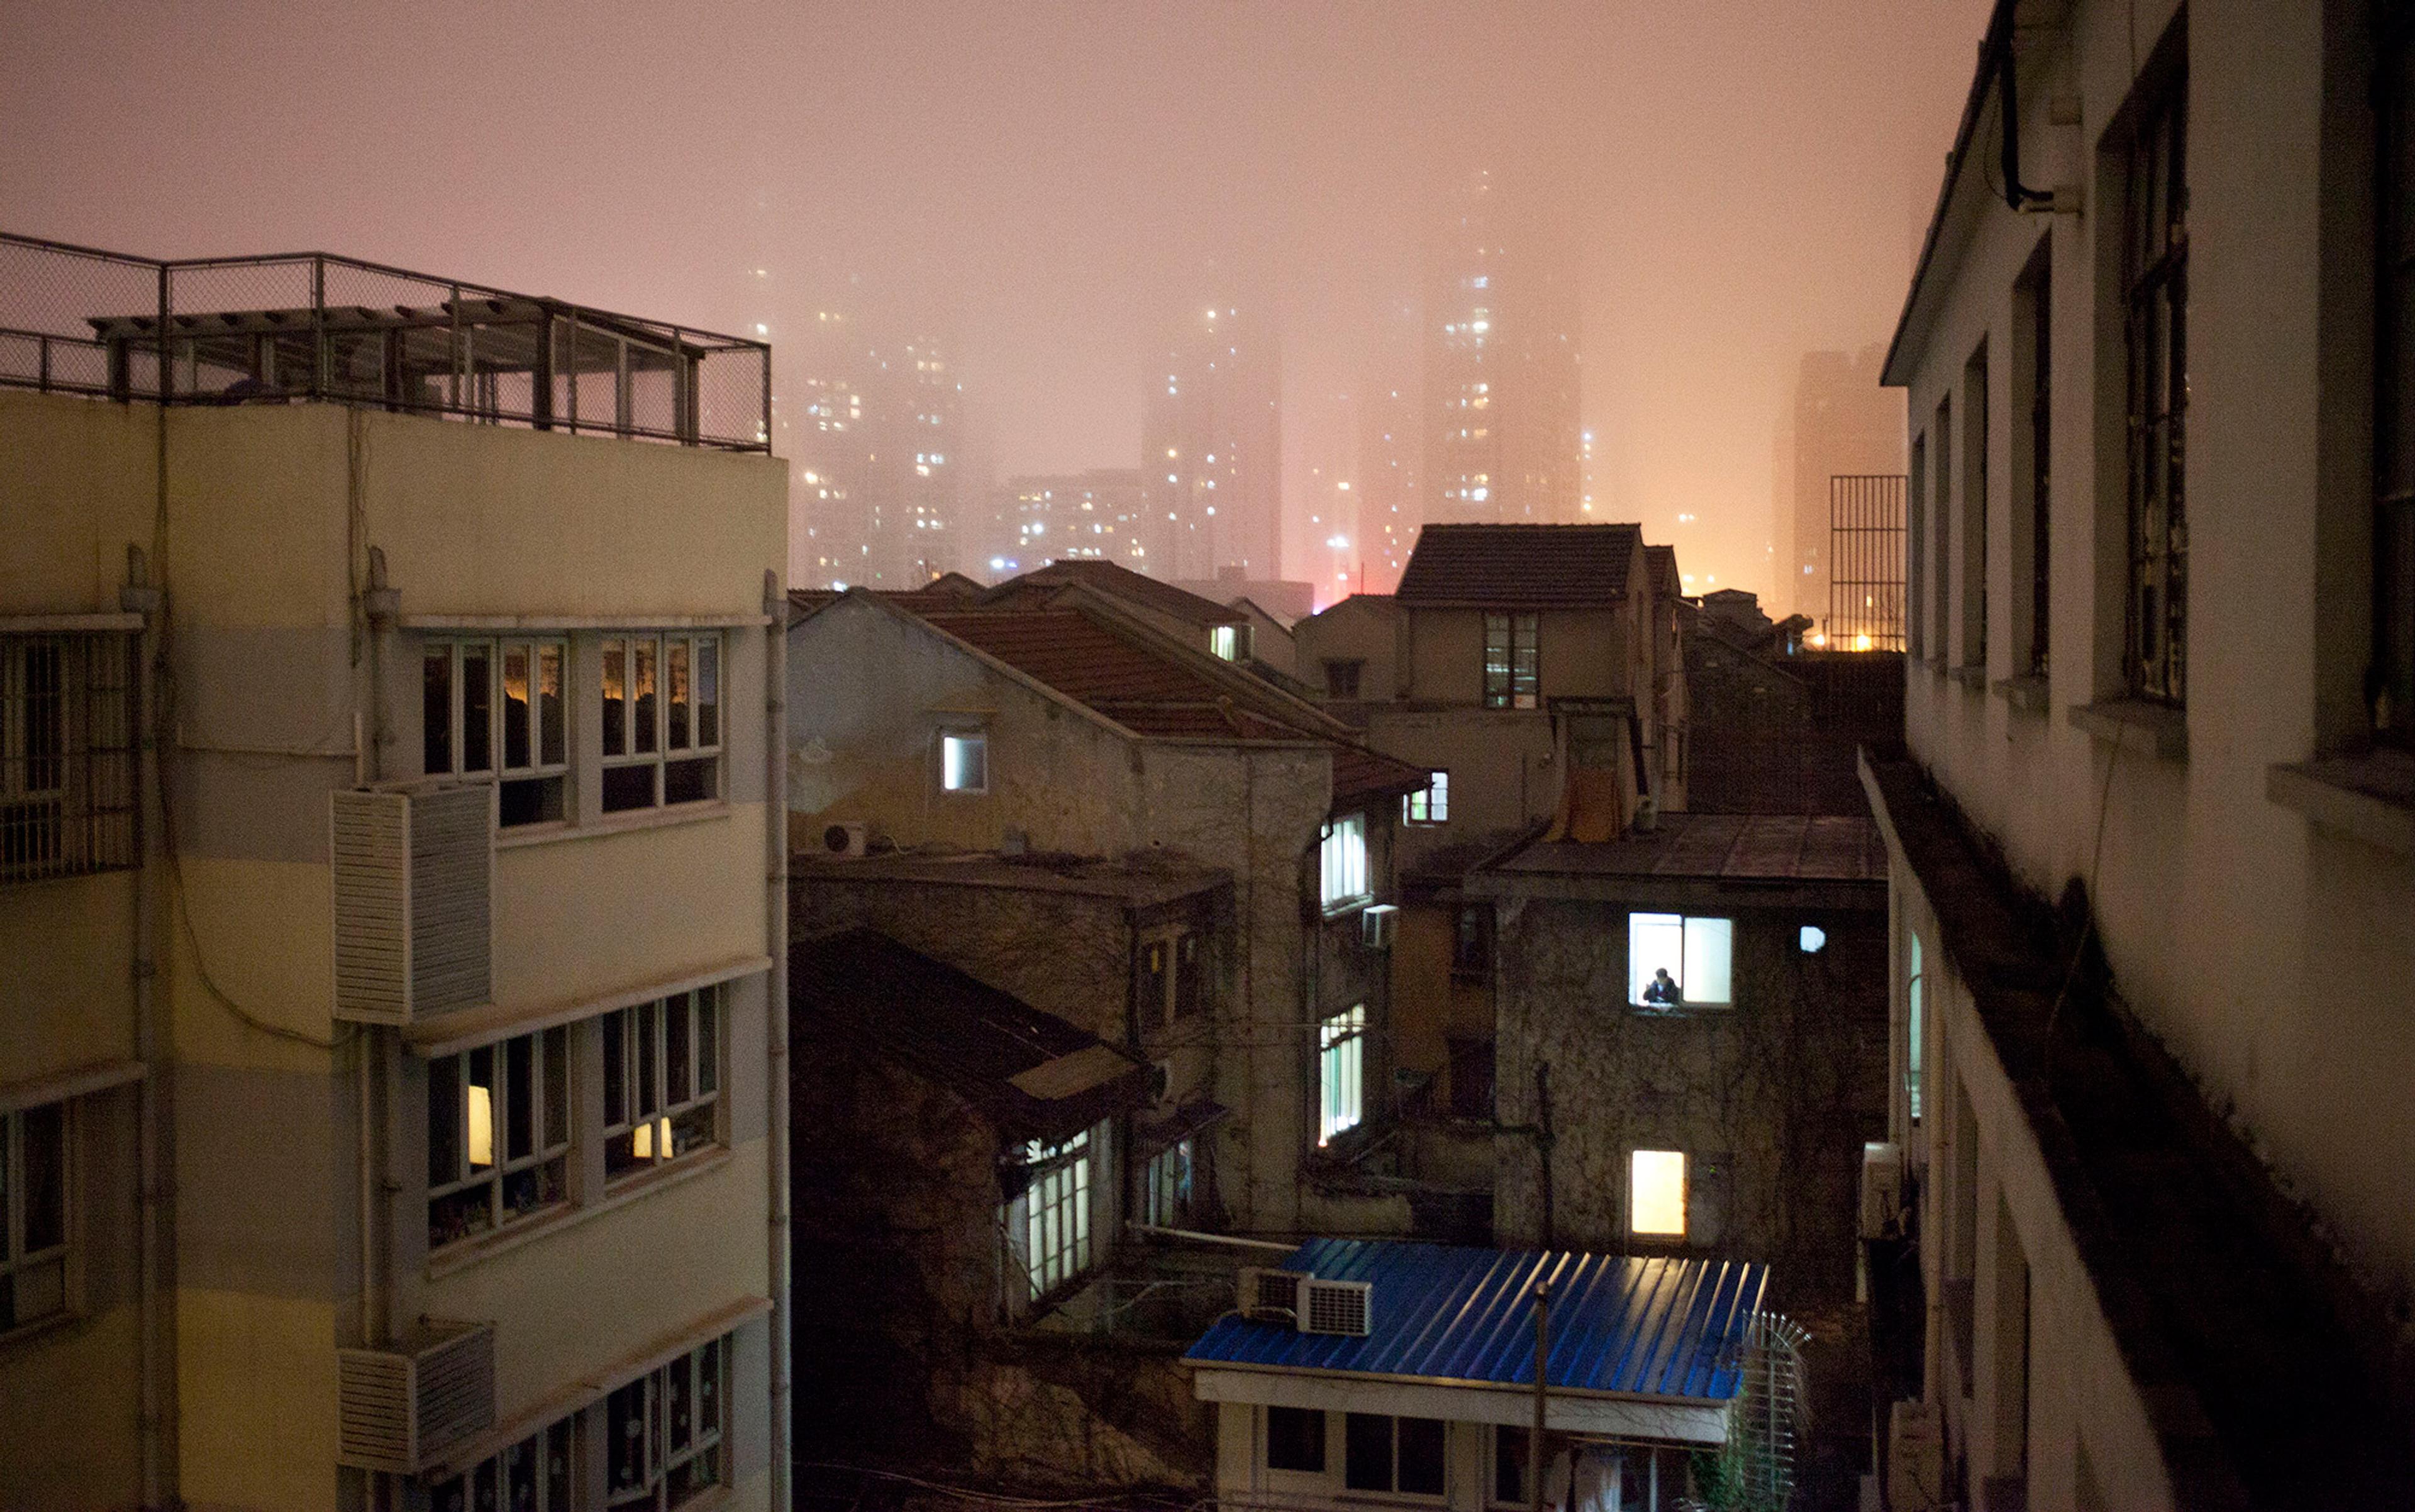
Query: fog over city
{"type": "Point", "coordinates": [1044, 187]}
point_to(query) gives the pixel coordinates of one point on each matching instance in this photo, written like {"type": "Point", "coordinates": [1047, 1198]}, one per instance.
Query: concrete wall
{"type": "Point", "coordinates": [1363, 628]}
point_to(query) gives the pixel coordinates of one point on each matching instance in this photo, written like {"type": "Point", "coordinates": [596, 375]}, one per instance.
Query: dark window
{"type": "Point", "coordinates": [2155, 290]}
{"type": "Point", "coordinates": [1471, 1075]}
{"type": "Point", "coordinates": [1915, 518]}
{"type": "Point", "coordinates": [1471, 945]}
{"type": "Point", "coordinates": [1156, 981]}
{"type": "Point", "coordinates": [1510, 1453]}
{"type": "Point", "coordinates": [1974, 509]}
{"type": "Point", "coordinates": [1511, 680]}
{"type": "Point", "coordinates": [32, 1214]}
{"type": "Point", "coordinates": [1393, 1454]}
{"type": "Point", "coordinates": [2041, 311]}
{"type": "Point", "coordinates": [1341, 678]}
{"type": "Point", "coordinates": [1941, 513]}
{"type": "Point", "coordinates": [1190, 976]}
{"type": "Point", "coordinates": [1367, 1452]}
{"type": "Point", "coordinates": [2391, 684]}
{"type": "Point", "coordinates": [1421, 1450]}
{"type": "Point", "coordinates": [1296, 1439]}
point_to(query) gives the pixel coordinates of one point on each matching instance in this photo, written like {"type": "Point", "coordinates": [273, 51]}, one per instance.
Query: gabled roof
{"type": "Point", "coordinates": [1662, 560]}
{"type": "Point", "coordinates": [1620, 1324]}
{"type": "Point", "coordinates": [1032, 1074]}
{"type": "Point", "coordinates": [1520, 566]}
{"type": "Point", "coordinates": [1123, 583]}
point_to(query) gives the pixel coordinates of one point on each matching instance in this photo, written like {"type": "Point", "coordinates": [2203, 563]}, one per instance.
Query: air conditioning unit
{"type": "Point", "coordinates": [848, 838]}
{"type": "Point", "coordinates": [414, 877]}
{"type": "Point", "coordinates": [1378, 924]}
{"type": "Point", "coordinates": [1336, 1307]}
{"type": "Point", "coordinates": [397, 1409]}
{"type": "Point", "coordinates": [1882, 1189]}
{"type": "Point", "coordinates": [1269, 1296]}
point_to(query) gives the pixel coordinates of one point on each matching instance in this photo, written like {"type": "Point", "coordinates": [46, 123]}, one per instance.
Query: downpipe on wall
{"type": "Point", "coordinates": [775, 1014]}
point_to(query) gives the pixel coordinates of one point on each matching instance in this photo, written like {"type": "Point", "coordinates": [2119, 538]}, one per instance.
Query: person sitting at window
{"type": "Point", "coordinates": [1662, 991]}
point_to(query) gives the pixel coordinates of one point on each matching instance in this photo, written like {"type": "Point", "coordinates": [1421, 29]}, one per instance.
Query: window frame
{"type": "Point", "coordinates": [706, 1369]}
{"type": "Point", "coordinates": [547, 781]}
{"type": "Point", "coordinates": [1513, 678]}
{"type": "Point", "coordinates": [637, 724]}
{"type": "Point", "coordinates": [548, 1049]}
{"type": "Point", "coordinates": [1915, 518]}
{"type": "Point", "coordinates": [2153, 294]}
{"type": "Point", "coordinates": [2033, 297]}
{"type": "Point", "coordinates": [1429, 807]}
{"type": "Point", "coordinates": [80, 817]}
{"type": "Point", "coordinates": [1684, 1197]}
{"type": "Point", "coordinates": [1972, 615]}
{"type": "Point", "coordinates": [18, 1256]}
{"type": "Point", "coordinates": [1343, 674]}
{"type": "Point", "coordinates": [1342, 864]}
{"type": "Point", "coordinates": [1392, 1487]}
{"type": "Point", "coordinates": [1055, 1245]}
{"type": "Point", "coordinates": [551, 1494]}
{"type": "Point", "coordinates": [1170, 1184]}
{"type": "Point", "coordinates": [1341, 1073]}
{"type": "Point", "coordinates": [1685, 954]}
{"type": "Point", "coordinates": [651, 1133]}
{"type": "Point", "coordinates": [971, 736]}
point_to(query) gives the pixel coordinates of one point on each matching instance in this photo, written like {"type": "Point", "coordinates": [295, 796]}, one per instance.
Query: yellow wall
{"type": "Point", "coordinates": [256, 1392]}
{"type": "Point", "coordinates": [68, 1403]}
{"type": "Point", "coordinates": [67, 988]}
{"type": "Point", "coordinates": [78, 484]}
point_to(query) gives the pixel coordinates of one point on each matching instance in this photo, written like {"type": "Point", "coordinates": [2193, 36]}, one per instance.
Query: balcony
{"type": "Point", "coordinates": [310, 327]}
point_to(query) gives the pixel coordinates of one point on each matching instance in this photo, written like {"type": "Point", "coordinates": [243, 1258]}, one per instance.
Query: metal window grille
{"type": "Point", "coordinates": [1056, 1212]}
{"type": "Point", "coordinates": [534, 1474]}
{"type": "Point", "coordinates": [1866, 531]}
{"type": "Point", "coordinates": [310, 327]}
{"type": "Point", "coordinates": [66, 754]}
{"type": "Point", "coordinates": [1511, 672]}
{"type": "Point", "coordinates": [2154, 268]}
{"type": "Point", "coordinates": [1342, 1073]}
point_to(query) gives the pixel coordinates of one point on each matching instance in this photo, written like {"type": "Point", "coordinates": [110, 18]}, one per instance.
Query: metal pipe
{"type": "Point", "coordinates": [1197, 1238]}
{"type": "Point", "coordinates": [775, 1015]}
{"type": "Point", "coordinates": [1543, 1368]}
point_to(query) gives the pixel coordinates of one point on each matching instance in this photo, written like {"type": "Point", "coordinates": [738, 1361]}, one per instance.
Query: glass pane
{"type": "Point", "coordinates": [477, 709]}
{"type": "Point", "coordinates": [1509, 1464]}
{"type": "Point", "coordinates": [616, 1069]}
{"type": "Point", "coordinates": [519, 1097]}
{"type": "Point", "coordinates": [1708, 945]}
{"type": "Point", "coordinates": [553, 739]}
{"type": "Point", "coordinates": [649, 1083]}
{"type": "Point", "coordinates": [689, 781]}
{"type": "Point", "coordinates": [436, 710]}
{"type": "Point", "coordinates": [519, 1476]}
{"type": "Point", "coordinates": [708, 1390]}
{"type": "Point", "coordinates": [556, 1088]}
{"type": "Point", "coordinates": [1420, 1464]}
{"type": "Point", "coordinates": [515, 707]}
{"type": "Point", "coordinates": [624, 1438]}
{"type": "Point", "coordinates": [675, 1018]}
{"type": "Point", "coordinates": [483, 1491]}
{"type": "Point", "coordinates": [616, 706]}
{"type": "Point", "coordinates": [1655, 944]}
{"type": "Point", "coordinates": [682, 1403]}
{"type": "Point", "coordinates": [1367, 1452]}
{"type": "Point", "coordinates": [45, 1178]}
{"type": "Point", "coordinates": [444, 1121]}
{"type": "Point", "coordinates": [557, 1467]}
{"type": "Point", "coordinates": [631, 787]}
{"type": "Point", "coordinates": [1296, 1439]}
{"type": "Point", "coordinates": [6, 1124]}
{"type": "Point", "coordinates": [643, 699]}
{"type": "Point", "coordinates": [675, 676]}
{"type": "Point", "coordinates": [480, 1105]}
{"type": "Point", "coordinates": [708, 692]}
{"type": "Point", "coordinates": [1656, 1193]}
{"type": "Point", "coordinates": [708, 1033]}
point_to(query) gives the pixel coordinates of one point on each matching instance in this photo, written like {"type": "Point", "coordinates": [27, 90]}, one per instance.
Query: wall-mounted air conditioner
{"type": "Point", "coordinates": [846, 838]}
{"type": "Point", "coordinates": [397, 1409]}
{"type": "Point", "coordinates": [1343, 1307]}
{"type": "Point", "coordinates": [414, 877]}
{"type": "Point", "coordinates": [1378, 924]}
{"type": "Point", "coordinates": [1269, 1296]}
{"type": "Point", "coordinates": [1882, 1189]}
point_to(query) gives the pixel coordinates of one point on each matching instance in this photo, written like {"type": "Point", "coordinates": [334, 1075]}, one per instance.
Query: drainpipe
{"type": "Point", "coordinates": [380, 608]}
{"type": "Point", "coordinates": [1543, 1368]}
{"type": "Point", "coordinates": [775, 1016]}
{"type": "Point", "coordinates": [139, 597]}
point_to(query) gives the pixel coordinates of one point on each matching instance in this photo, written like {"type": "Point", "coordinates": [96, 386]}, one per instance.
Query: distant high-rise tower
{"type": "Point", "coordinates": [874, 445]}
{"type": "Point", "coordinates": [1390, 454]}
{"type": "Point", "coordinates": [1502, 365]}
{"type": "Point", "coordinates": [928, 406]}
{"type": "Point", "coordinates": [1844, 423]}
{"type": "Point", "coordinates": [1211, 447]}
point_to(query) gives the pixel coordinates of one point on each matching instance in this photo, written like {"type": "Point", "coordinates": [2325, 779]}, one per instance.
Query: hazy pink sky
{"type": "Point", "coordinates": [1043, 184]}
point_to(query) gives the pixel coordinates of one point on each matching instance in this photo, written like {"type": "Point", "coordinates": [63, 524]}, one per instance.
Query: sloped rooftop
{"type": "Point", "coordinates": [1730, 847]}
{"type": "Point", "coordinates": [1520, 566]}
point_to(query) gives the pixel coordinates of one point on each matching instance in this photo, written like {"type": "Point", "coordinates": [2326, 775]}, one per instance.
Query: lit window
{"type": "Point", "coordinates": [963, 761]}
{"type": "Point", "coordinates": [496, 707]}
{"type": "Point", "coordinates": [1656, 1193]}
{"type": "Point", "coordinates": [1341, 862]}
{"type": "Point", "coordinates": [1430, 805]}
{"type": "Point", "coordinates": [1512, 679]}
{"type": "Point", "coordinates": [1165, 1187]}
{"type": "Point", "coordinates": [1055, 1203]}
{"type": "Point", "coordinates": [1230, 641]}
{"type": "Point", "coordinates": [1812, 939]}
{"type": "Point", "coordinates": [662, 719]}
{"type": "Point", "coordinates": [1915, 996]}
{"type": "Point", "coordinates": [1673, 960]}
{"type": "Point", "coordinates": [533, 1474]}
{"type": "Point", "coordinates": [662, 1080]}
{"type": "Point", "coordinates": [498, 1135]}
{"type": "Point", "coordinates": [66, 755]}
{"type": "Point", "coordinates": [663, 1432]}
{"type": "Point", "coordinates": [32, 1214]}
{"type": "Point", "coordinates": [1342, 1066]}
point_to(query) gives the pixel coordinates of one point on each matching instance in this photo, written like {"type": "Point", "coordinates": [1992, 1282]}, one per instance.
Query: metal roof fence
{"type": "Point", "coordinates": [310, 327]}
{"type": "Point", "coordinates": [1621, 1325]}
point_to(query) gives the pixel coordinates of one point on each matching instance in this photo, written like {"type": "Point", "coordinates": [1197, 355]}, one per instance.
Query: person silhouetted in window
{"type": "Point", "coordinates": [1662, 990]}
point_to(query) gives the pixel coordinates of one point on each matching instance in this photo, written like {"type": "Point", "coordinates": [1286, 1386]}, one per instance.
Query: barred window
{"type": "Point", "coordinates": [32, 1215]}
{"type": "Point", "coordinates": [534, 1475]}
{"type": "Point", "coordinates": [1511, 678]}
{"type": "Point", "coordinates": [499, 1135]}
{"type": "Point", "coordinates": [663, 1431]}
{"type": "Point", "coordinates": [2155, 288]}
{"type": "Point", "coordinates": [662, 1080]}
{"type": "Point", "coordinates": [492, 707]}
{"type": "Point", "coordinates": [66, 755]}
{"type": "Point", "coordinates": [1341, 1072]}
{"type": "Point", "coordinates": [1341, 862]}
{"type": "Point", "coordinates": [662, 719]}
{"type": "Point", "coordinates": [1056, 1212]}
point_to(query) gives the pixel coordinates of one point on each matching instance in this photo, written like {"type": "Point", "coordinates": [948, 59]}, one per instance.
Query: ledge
{"type": "Point", "coordinates": [454, 1258]}
{"type": "Point", "coordinates": [611, 824]}
{"type": "Point", "coordinates": [2368, 797]}
{"type": "Point", "coordinates": [1970, 676]}
{"type": "Point", "coordinates": [2114, 719]}
{"type": "Point", "coordinates": [449, 1034]}
{"type": "Point", "coordinates": [559, 624]}
{"type": "Point", "coordinates": [2026, 694]}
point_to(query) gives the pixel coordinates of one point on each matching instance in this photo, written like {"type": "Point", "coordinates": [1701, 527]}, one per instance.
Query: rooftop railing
{"type": "Point", "coordinates": [313, 327]}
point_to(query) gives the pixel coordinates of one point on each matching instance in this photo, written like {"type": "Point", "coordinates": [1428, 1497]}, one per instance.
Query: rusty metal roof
{"type": "Point", "coordinates": [1520, 566]}
{"type": "Point", "coordinates": [1734, 847]}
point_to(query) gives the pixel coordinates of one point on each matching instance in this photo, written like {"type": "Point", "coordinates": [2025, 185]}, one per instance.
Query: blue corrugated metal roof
{"type": "Point", "coordinates": [1623, 1323]}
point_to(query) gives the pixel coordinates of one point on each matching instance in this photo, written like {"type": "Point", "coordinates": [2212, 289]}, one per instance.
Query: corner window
{"type": "Point", "coordinates": [1172, 985]}
{"type": "Point", "coordinates": [1341, 1072]}
{"type": "Point", "coordinates": [963, 761]}
{"type": "Point", "coordinates": [1055, 1228]}
{"type": "Point", "coordinates": [662, 1080]}
{"type": "Point", "coordinates": [494, 708]}
{"type": "Point", "coordinates": [1431, 805]}
{"type": "Point", "coordinates": [1341, 678]}
{"type": "Point", "coordinates": [66, 755]}
{"type": "Point", "coordinates": [2155, 297]}
{"type": "Point", "coordinates": [532, 1475]}
{"type": "Point", "coordinates": [661, 720]}
{"type": "Point", "coordinates": [32, 1215]}
{"type": "Point", "coordinates": [663, 1432]}
{"type": "Point", "coordinates": [498, 1135]}
{"type": "Point", "coordinates": [1655, 1194]}
{"type": "Point", "coordinates": [1512, 679]}
{"type": "Point", "coordinates": [1381, 1453]}
{"type": "Point", "coordinates": [1675, 962]}
{"type": "Point", "coordinates": [1296, 1440]}
{"type": "Point", "coordinates": [1341, 862]}
{"type": "Point", "coordinates": [1915, 518]}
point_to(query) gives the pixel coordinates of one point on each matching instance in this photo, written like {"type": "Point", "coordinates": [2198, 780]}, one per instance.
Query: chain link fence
{"type": "Point", "coordinates": [264, 330]}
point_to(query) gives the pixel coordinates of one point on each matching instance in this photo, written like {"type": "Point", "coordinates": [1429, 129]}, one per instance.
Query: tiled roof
{"type": "Point", "coordinates": [1663, 563]}
{"type": "Point", "coordinates": [1671, 1327]}
{"type": "Point", "coordinates": [1736, 848]}
{"type": "Point", "coordinates": [1131, 587]}
{"type": "Point", "coordinates": [1516, 566]}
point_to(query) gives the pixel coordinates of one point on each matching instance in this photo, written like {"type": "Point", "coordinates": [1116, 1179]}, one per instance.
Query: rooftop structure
{"type": "Point", "coordinates": [1520, 566]}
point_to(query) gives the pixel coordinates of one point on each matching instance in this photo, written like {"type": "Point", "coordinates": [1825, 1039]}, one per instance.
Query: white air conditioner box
{"type": "Point", "coordinates": [1343, 1307]}
{"type": "Point", "coordinates": [1378, 924]}
{"type": "Point", "coordinates": [398, 1408]}
{"type": "Point", "coordinates": [413, 877]}
{"type": "Point", "coordinates": [846, 838]}
{"type": "Point", "coordinates": [1882, 1189]}
{"type": "Point", "coordinates": [1269, 1296]}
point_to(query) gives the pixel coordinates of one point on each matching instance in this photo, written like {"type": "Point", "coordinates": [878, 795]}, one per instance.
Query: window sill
{"type": "Point", "coordinates": [1680, 1010]}
{"type": "Point", "coordinates": [2368, 798]}
{"type": "Point", "coordinates": [2026, 694]}
{"type": "Point", "coordinates": [468, 1252]}
{"type": "Point", "coordinates": [1970, 676]}
{"type": "Point", "coordinates": [613, 823]}
{"type": "Point", "coordinates": [2114, 719]}
{"type": "Point", "coordinates": [40, 1327]}
{"type": "Point", "coordinates": [1334, 911]}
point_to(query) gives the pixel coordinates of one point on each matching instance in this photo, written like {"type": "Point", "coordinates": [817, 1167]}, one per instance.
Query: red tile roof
{"type": "Point", "coordinates": [1520, 566]}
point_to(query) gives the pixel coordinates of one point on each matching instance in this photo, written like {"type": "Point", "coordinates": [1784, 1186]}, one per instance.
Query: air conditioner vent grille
{"type": "Point", "coordinates": [1335, 1308]}
{"type": "Point", "coordinates": [398, 1408]}
{"type": "Point", "coordinates": [1269, 1296]}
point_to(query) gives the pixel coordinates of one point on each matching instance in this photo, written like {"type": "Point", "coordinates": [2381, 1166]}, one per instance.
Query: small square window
{"type": "Point", "coordinates": [963, 761]}
{"type": "Point", "coordinates": [1655, 1194]}
{"type": "Point", "coordinates": [1674, 961]}
{"type": "Point", "coordinates": [1296, 1439]}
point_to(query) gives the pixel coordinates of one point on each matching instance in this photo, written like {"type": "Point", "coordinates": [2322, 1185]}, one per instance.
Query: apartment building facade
{"type": "Point", "coordinates": [2153, 860]}
{"type": "Point", "coordinates": [391, 1095]}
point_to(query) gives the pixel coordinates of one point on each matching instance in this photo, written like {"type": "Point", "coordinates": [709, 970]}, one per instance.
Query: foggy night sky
{"type": "Point", "coordinates": [1046, 185]}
